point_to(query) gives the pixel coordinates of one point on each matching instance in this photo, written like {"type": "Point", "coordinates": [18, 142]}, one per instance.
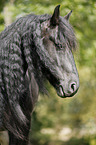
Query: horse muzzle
{"type": "Point", "coordinates": [68, 90]}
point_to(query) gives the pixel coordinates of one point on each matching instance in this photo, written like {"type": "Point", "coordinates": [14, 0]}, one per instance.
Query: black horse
{"type": "Point", "coordinates": [33, 49]}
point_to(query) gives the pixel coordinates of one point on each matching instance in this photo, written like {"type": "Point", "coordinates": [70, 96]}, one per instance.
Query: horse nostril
{"type": "Point", "coordinates": [73, 87]}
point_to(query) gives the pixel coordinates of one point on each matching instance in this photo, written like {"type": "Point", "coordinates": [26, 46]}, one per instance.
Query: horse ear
{"type": "Point", "coordinates": [55, 17]}
{"type": "Point", "coordinates": [68, 15]}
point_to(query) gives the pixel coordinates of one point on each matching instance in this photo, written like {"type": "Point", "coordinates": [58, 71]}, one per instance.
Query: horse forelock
{"type": "Point", "coordinates": [67, 34]}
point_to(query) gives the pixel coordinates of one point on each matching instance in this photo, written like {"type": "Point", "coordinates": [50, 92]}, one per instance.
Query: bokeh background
{"type": "Point", "coordinates": [57, 121]}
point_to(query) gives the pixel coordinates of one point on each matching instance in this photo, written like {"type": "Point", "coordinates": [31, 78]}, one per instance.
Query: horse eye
{"type": "Point", "coordinates": [59, 46]}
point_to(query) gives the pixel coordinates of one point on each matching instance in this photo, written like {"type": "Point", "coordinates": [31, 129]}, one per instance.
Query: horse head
{"type": "Point", "coordinates": [58, 42]}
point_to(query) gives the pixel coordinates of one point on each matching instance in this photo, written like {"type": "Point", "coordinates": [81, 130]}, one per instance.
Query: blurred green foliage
{"type": "Point", "coordinates": [52, 113]}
